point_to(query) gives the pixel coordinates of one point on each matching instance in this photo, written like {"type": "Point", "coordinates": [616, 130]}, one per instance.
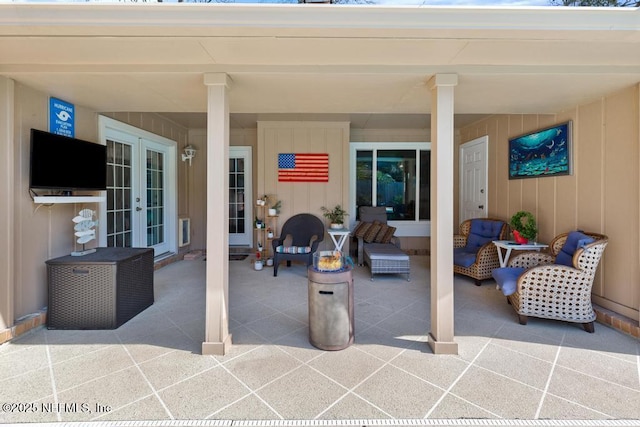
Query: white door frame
{"type": "Point", "coordinates": [483, 140]}
{"type": "Point", "coordinates": [246, 152]}
{"type": "Point", "coordinates": [107, 128]}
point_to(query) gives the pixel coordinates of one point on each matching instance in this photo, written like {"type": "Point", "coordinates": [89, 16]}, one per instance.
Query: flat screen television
{"type": "Point", "coordinates": [66, 164]}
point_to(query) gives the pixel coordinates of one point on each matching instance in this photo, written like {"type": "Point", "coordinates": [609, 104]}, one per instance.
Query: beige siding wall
{"type": "Point", "coordinates": [195, 183]}
{"type": "Point", "coordinates": [40, 232]}
{"type": "Point", "coordinates": [602, 195]}
{"type": "Point", "coordinates": [303, 137]}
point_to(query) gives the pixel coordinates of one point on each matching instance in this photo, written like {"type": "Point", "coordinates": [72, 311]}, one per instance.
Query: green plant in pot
{"type": "Point", "coordinates": [524, 226]}
{"type": "Point", "coordinates": [275, 208]}
{"type": "Point", "coordinates": [335, 216]}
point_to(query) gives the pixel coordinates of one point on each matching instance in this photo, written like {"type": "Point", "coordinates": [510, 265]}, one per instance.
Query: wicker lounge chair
{"type": "Point", "coordinates": [376, 244]}
{"type": "Point", "coordinates": [555, 285]}
{"type": "Point", "coordinates": [475, 255]}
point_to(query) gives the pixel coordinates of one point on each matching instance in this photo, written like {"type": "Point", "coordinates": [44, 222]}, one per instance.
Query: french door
{"type": "Point", "coordinates": [240, 197]}
{"type": "Point", "coordinates": [141, 201]}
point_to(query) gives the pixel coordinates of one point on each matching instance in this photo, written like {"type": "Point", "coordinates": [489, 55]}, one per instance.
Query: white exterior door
{"type": "Point", "coordinates": [153, 209]}
{"type": "Point", "coordinates": [240, 197]}
{"type": "Point", "coordinates": [141, 192]}
{"type": "Point", "coordinates": [473, 179]}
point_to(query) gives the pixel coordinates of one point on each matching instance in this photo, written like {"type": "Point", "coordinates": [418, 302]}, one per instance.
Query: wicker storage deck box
{"type": "Point", "coordinates": [101, 290]}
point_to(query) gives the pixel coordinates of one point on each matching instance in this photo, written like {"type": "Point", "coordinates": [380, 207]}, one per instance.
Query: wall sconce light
{"type": "Point", "coordinates": [189, 153]}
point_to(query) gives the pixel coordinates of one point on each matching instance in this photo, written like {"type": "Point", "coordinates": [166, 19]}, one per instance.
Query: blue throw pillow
{"type": "Point", "coordinates": [575, 240]}
{"type": "Point", "coordinates": [483, 232]}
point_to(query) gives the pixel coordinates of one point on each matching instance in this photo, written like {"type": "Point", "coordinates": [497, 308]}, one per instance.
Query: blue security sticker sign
{"type": "Point", "coordinates": [61, 117]}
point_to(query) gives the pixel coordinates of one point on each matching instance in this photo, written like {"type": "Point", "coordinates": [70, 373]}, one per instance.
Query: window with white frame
{"type": "Point", "coordinates": [396, 176]}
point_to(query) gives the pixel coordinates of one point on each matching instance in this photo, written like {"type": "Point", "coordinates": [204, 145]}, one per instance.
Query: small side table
{"type": "Point", "coordinates": [339, 236]}
{"type": "Point", "coordinates": [510, 245]}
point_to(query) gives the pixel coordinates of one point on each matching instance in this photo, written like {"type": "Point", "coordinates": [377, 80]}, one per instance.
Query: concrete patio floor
{"type": "Point", "coordinates": [150, 369]}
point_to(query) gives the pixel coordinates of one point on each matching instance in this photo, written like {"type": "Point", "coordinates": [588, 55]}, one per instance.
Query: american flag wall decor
{"type": "Point", "coordinates": [303, 167]}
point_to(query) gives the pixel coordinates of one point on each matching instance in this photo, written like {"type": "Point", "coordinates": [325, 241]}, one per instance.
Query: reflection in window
{"type": "Point", "coordinates": [396, 179]}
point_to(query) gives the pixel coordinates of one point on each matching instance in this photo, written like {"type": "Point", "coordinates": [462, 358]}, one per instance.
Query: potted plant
{"type": "Point", "coordinates": [524, 226]}
{"type": "Point", "coordinates": [275, 208]}
{"type": "Point", "coordinates": [335, 216]}
{"type": "Point", "coordinates": [257, 264]}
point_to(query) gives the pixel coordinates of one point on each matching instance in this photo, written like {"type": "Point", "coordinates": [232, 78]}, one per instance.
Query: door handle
{"type": "Point", "coordinates": [138, 208]}
{"type": "Point", "coordinates": [481, 207]}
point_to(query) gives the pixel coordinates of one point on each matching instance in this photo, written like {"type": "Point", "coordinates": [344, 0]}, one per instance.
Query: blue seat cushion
{"type": "Point", "coordinates": [507, 278]}
{"type": "Point", "coordinates": [575, 240]}
{"type": "Point", "coordinates": [463, 257]}
{"type": "Point", "coordinates": [482, 232]}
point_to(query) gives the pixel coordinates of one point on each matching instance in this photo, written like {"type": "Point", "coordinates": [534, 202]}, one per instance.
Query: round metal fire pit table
{"type": "Point", "coordinates": [330, 308]}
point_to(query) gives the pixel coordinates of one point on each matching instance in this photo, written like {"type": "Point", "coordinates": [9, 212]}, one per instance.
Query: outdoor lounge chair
{"type": "Point", "coordinates": [474, 254]}
{"type": "Point", "coordinates": [306, 231]}
{"type": "Point", "coordinates": [376, 244]}
{"type": "Point", "coordinates": [555, 285]}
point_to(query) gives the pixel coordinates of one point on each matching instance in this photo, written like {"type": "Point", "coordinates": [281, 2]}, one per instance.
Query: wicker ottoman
{"type": "Point", "coordinates": [386, 258]}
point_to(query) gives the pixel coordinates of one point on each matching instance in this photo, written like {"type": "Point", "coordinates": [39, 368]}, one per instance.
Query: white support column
{"type": "Point", "coordinates": [7, 189]}
{"type": "Point", "coordinates": [442, 144]}
{"type": "Point", "coordinates": [217, 337]}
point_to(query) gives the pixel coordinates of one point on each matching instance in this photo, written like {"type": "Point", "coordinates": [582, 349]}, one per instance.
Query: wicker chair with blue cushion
{"type": "Point", "coordinates": [474, 254]}
{"type": "Point", "coordinates": [555, 285]}
{"type": "Point", "coordinates": [306, 231]}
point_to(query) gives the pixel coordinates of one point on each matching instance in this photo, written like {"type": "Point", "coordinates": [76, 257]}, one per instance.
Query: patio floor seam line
{"type": "Point", "coordinates": [611, 356]}
{"type": "Point", "coordinates": [240, 400]}
{"type": "Point", "coordinates": [250, 393]}
{"type": "Point", "coordinates": [95, 379]}
{"type": "Point", "coordinates": [397, 422]}
{"type": "Point", "coordinates": [274, 379]}
{"type": "Point", "coordinates": [259, 346]}
{"type": "Point", "coordinates": [54, 388]}
{"type": "Point", "coordinates": [600, 379]}
{"type": "Point", "coordinates": [464, 371]}
{"type": "Point", "coordinates": [270, 341]}
{"type": "Point", "coordinates": [579, 404]}
{"type": "Point", "coordinates": [418, 378]}
{"type": "Point", "coordinates": [276, 311]}
{"type": "Point", "coordinates": [548, 382]}
{"type": "Point", "coordinates": [153, 389]}
{"type": "Point", "coordinates": [178, 327]}
{"type": "Point", "coordinates": [133, 402]}
{"type": "Point", "coordinates": [106, 347]}
{"type": "Point", "coordinates": [352, 389]}
{"type": "Point", "coordinates": [539, 359]}
{"type": "Point", "coordinates": [509, 378]}
{"type": "Point", "coordinates": [189, 377]}
{"type": "Point", "coordinates": [457, 396]}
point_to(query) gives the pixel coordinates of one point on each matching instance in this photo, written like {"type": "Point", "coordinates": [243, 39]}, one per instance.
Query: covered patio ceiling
{"type": "Point", "coordinates": [367, 64]}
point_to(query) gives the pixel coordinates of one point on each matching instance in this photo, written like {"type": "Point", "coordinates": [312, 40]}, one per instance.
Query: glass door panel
{"type": "Point", "coordinates": [240, 204]}
{"type": "Point", "coordinates": [155, 198]}
{"type": "Point", "coordinates": [119, 187]}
